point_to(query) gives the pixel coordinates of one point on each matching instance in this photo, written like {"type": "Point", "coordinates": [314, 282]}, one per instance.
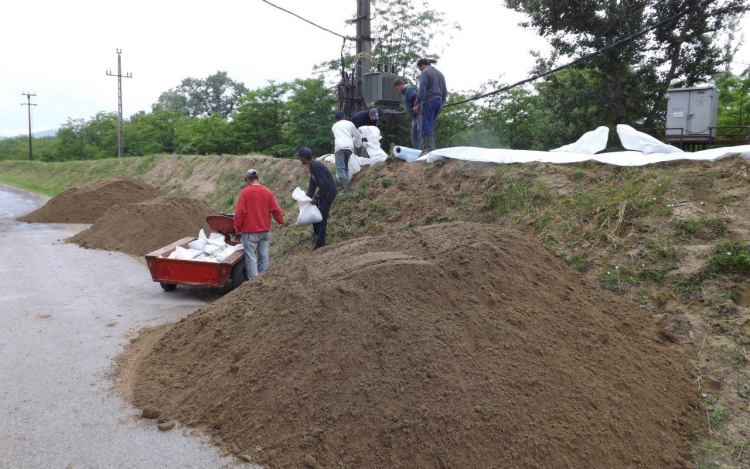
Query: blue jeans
{"type": "Point", "coordinates": [416, 132]}
{"type": "Point", "coordinates": [324, 205]}
{"type": "Point", "coordinates": [429, 112]}
{"type": "Point", "coordinates": [342, 163]}
{"type": "Point", "coordinates": [252, 242]}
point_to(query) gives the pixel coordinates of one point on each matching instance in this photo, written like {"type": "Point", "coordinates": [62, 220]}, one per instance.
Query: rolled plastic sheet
{"type": "Point", "coordinates": [407, 154]}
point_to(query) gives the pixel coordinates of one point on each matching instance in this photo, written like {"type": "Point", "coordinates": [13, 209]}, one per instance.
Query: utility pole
{"type": "Point", "coordinates": [29, 104]}
{"type": "Point", "coordinates": [364, 47]}
{"type": "Point", "coordinates": [119, 76]}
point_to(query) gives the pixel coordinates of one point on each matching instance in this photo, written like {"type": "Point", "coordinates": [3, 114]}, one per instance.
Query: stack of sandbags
{"type": "Point", "coordinates": [213, 248]}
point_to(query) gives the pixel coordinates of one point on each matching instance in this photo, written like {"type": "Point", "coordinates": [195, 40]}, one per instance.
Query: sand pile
{"type": "Point", "coordinates": [452, 346]}
{"type": "Point", "coordinates": [140, 228]}
{"type": "Point", "coordinates": [87, 204]}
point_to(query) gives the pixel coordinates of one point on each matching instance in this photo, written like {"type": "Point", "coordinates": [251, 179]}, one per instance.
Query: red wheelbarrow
{"type": "Point", "coordinates": [172, 272]}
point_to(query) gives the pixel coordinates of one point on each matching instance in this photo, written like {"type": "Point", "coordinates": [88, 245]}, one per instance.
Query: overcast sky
{"type": "Point", "coordinates": [61, 50]}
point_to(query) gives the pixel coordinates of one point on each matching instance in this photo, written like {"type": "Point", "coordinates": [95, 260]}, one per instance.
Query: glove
{"type": "Point", "coordinates": [364, 140]}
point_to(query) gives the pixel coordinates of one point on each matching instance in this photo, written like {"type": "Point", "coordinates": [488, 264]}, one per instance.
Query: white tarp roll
{"type": "Point", "coordinates": [407, 154]}
{"type": "Point", "coordinates": [590, 144]}
{"type": "Point", "coordinates": [631, 139]}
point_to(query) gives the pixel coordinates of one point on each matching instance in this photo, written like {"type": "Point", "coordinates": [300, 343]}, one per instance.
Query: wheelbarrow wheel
{"type": "Point", "coordinates": [168, 286]}
{"type": "Point", "coordinates": [238, 275]}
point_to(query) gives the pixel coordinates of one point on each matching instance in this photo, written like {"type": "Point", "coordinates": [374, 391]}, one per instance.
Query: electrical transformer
{"type": "Point", "coordinates": [378, 90]}
{"type": "Point", "coordinates": [692, 113]}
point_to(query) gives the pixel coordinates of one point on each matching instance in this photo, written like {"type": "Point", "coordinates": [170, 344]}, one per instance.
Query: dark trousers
{"type": "Point", "coordinates": [324, 205]}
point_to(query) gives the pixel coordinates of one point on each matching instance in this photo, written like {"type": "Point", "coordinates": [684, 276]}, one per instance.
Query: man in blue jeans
{"type": "Point", "coordinates": [252, 220]}
{"type": "Point", "coordinates": [432, 94]}
{"type": "Point", "coordinates": [321, 180]}
{"type": "Point", "coordinates": [409, 93]}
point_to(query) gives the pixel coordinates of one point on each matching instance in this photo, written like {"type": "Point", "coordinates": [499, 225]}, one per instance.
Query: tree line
{"type": "Point", "coordinates": [218, 115]}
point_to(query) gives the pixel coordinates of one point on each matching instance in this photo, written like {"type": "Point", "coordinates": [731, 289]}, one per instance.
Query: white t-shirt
{"type": "Point", "coordinates": [346, 135]}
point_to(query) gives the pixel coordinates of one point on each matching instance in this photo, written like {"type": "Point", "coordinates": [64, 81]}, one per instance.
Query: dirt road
{"type": "Point", "coordinates": [65, 313]}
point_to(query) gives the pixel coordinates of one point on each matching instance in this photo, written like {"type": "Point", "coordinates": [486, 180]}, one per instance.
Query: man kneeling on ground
{"type": "Point", "coordinates": [252, 220]}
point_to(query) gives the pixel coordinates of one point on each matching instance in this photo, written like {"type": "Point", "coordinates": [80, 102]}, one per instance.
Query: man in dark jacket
{"type": "Point", "coordinates": [321, 180]}
{"type": "Point", "coordinates": [409, 94]}
{"type": "Point", "coordinates": [366, 117]}
{"type": "Point", "coordinates": [432, 94]}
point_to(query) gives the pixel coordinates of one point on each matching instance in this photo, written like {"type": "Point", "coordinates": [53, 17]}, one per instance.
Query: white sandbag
{"type": "Point", "coordinates": [212, 249]}
{"type": "Point", "coordinates": [375, 153]}
{"type": "Point", "coordinates": [173, 255]}
{"type": "Point", "coordinates": [329, 158]}
{"type": "Point", "coordinates": [308, 213]}
{"type": "Point", "coordinates": [186, 254]}
{"type": "Point", "coordinates": [631, 139]}
{"type": "Point", "coordinates": [218, 240]}
{"type": "Point", "coordinates": [409, 155]}
{"type": "Point", "coordinates": [354, 166]}
{"type": "Point", "coordinates": [590, 144]}
{"type": "Point", "coordinates": [202, 235]}
{"type": "Point", "coordinates": [222, 256]}
{"type": "Point", "coordinates": [198, 244]}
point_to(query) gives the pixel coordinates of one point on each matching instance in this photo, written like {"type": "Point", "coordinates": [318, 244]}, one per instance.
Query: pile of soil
{"type": "Point", "coordinates": [87, 204]}
{"type": "Point", "coordinates": [451, 346]}
{"type": "Point", "coordinates": [147, 226]}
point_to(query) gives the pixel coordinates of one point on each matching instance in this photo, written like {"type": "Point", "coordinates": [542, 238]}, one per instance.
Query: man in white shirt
{"type": "Point", "coordinates": [347, 137]}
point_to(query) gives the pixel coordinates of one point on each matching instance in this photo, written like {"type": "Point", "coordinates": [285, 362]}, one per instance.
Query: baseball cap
{"type": "Point", "coordinates": [305, 152]}
{"type": "Point", "coordinates": [374, 113]}
{"type": "Point", "coordinates": [339, 114]}
{"type": "Point", "coordinates": [251, 173]}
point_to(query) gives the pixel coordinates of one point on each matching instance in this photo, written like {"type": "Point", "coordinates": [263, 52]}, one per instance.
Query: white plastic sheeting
{"type": "Point", "coordinates": [631, 139]}
{"type": "Point", "coordinates": [410, 155]}
{"type": "Point", "coordinates": [590, 144]}
{"type": "Point", "coordinates": [629, 136]}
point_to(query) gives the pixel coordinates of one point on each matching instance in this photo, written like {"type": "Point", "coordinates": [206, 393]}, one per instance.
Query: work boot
{"type": "Point", "coordinates": [428, 144]}
{"type": "Point", "coordinates": [344, 185]}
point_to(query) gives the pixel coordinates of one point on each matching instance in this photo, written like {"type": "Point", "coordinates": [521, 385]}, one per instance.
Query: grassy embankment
{"type": "Point", "coordinates": [672, 237]}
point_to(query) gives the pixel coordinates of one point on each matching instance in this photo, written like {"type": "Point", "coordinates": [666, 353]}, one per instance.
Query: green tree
{"type": "Point", "coordinates": [309, 117]}
{"type": "Point", "coordinates": [636, 76]}
{"type": "Point", "coordinates": [201, 97]}
{"type": "Point", "coordinates": [259, 118]}
{"type": "Point", "coordinates": [734, 99]}
{"type": "Point", "coordinates": [205, 136]}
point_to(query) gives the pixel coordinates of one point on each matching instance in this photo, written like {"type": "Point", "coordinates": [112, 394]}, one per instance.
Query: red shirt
{"type": "Point", "coordinates": [254, 210]}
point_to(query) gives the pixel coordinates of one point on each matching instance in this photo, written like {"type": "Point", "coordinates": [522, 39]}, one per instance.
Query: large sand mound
{"type": "Point", "coordinates": [87, 204]}
{"type": "Point", "coordinates": [140, 228]}
{"type": "Point", "coordinates": [453, 346]}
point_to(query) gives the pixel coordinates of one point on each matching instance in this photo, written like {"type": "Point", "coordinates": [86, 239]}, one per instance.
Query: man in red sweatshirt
{"type": "Point", "coordinates": [252, 220]}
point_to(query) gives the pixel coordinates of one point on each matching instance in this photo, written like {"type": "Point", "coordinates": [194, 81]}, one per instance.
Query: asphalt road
{"type": "Point", "coordinates": [65, 313]}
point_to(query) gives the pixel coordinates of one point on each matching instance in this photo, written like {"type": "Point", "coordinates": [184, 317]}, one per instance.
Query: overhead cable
{"type": "Point", "coordinates": [308, 21]}
{"type": "Point", "coordinates": [587, 57]}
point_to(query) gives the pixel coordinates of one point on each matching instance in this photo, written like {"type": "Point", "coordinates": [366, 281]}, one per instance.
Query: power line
{"type": "Point", "coordinates": [587, 57]}
{"type": "Point", "coordinates": [308, 21]}
{"type": "Point", "coordinates": [29, 104]}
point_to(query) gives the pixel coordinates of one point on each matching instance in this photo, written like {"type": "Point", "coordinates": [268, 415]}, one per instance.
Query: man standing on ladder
{"type": "Point", "coordinates": [432, 94]}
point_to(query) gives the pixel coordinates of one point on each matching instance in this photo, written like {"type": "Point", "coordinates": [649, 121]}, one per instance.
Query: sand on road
{"type": "Point", "coordinates": [65, 313]}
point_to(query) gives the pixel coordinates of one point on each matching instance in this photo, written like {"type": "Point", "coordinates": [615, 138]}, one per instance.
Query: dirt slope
{"type": "Point", "coordinates": [144, 227]}
{"type": "Point", "coordinates": [87, 204]}
{"type": "Point", "coordinates": [452, 346]}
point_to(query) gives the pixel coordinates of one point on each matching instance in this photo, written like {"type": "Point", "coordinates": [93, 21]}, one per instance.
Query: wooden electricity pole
{"type": "Point", "coordinates": [119, 76]}
{"type": "Point", "coordinates": [29, 104]}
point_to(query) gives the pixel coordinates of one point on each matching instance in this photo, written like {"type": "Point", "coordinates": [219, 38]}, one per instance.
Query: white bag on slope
{"type": "Point", "coordinates": [308, 213]}
{"type": "Point", "coordinates": [354, 166]}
